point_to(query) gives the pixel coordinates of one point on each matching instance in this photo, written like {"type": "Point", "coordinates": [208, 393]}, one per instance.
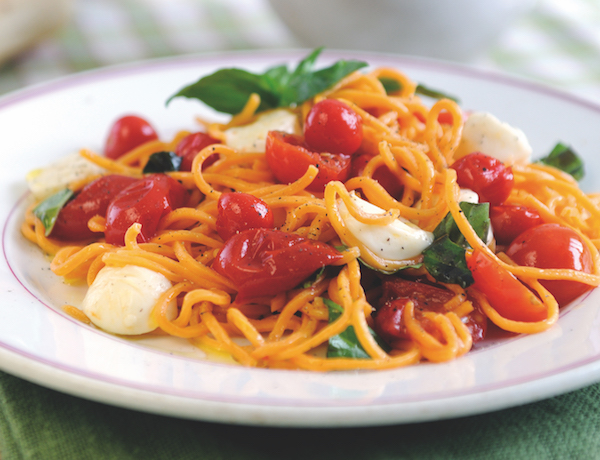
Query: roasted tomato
{"type": "Point", "coordinates": [127, 133]}
{"type": "Point", "coordinates": [485, 175]}
{"type": "Point", "coordinates": [332, 126]}
{"type": "Point", "coordinates": [145, 201]}
{"type": "Point", "coordinates": [92, 200]}
{"type": "Point", "coordinates": [509, 221]}
{"type": "Point", "coordinates": [263, 262]}
{"type": "Point", "coordinates": [383, 175]}
{"type": "Point", "coordinates": [241, 211]}
{"type": "Point", "coordinates": [190, 146]}
{"type": "Point", "coordinates": [554, 246]}
{"type": "Point", "coordinates": [289, 159]}
{"type": "Point", "coordinates": [397, 292]}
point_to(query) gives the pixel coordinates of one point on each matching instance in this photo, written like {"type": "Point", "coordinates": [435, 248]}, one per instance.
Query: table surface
{"type": "Point", "coordinates": [557, 44]}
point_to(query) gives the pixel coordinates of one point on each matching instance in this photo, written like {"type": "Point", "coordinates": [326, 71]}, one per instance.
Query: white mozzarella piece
{"type": "Point", "coordinates": [55, 177]}
{"type": "Point", "coordinates": [121, 299]}
{"type": "Point", "coordinates": [484, 133]}
{"type": "Point", "coordinates": [468, 195]}
{"type": "Point", "coordinates": [399, 240]}
{"type": "Point", "coordinates": [252, 138]}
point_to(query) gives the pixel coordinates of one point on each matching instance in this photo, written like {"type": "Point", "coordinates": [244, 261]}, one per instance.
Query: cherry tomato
{"type": "Point", "coordinates": [127, 133]}
{"type": "Point", "coordinates": [383, 175]}
{"type": "Point", "coordinates": [92, 200]}
{"type": "Point", "coordinates": [241, 211]}
{"type": "Point", "coordinates": [509, 221]}
{"type": "Point", "coordinates": [190, 146]}
{"type": "Point", "coordinates": [331, 126]}
{"type": "Point", "coordinates": [263, 262]}
{"type": "Point", "coordinates": [145, 201]}
{"type": "Point", "coordinates": [485, 175]}
{"type": "Point", "coordinates": [397, 292]}
{"type": "Point", "coordinates": [553, 246]}
{"type": "Point", "coordinates": [505, 293]}
{"type": "Point", "coordinates": [289, 160]}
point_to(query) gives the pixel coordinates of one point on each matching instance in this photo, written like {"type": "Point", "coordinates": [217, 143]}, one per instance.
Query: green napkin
{"type": "Point", "coordinates": [37, 423]}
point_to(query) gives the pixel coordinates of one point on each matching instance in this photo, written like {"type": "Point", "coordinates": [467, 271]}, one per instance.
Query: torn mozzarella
{"type": "Point", "coordinates": [468, 195]}
{"type": "Point", "coordinates": [252, 138]}
{"type": "Point", "coordinates": [57, 176]}
{"type": "Point", "coordinates": [121, 299]}
{"type": "Point", "coordinates": [399, 240]}
{"type": "Point", "coordinates": [484, 133]}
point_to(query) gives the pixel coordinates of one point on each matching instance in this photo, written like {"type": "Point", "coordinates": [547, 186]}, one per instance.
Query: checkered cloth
{"type": "Point", "coordinates": [558, 43]}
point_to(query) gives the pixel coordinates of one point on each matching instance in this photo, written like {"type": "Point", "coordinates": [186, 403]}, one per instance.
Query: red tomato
{"type": "Point", "coordinates": [505, 293]}
{"type": "Point", "coordinates": [397, 292]}
{"type": "Point", "coordinates": [331, 126]}
{"type": "Point", "coordinates": [146, 202]}
{"type": "Point", "coordinates": [553, 246]}
{"type": "Point", "coordinates": [289, 160]}
{"type": "Point", "coordinates": [264, 262]}
{"type": "Point", "coordinates": [92, 200]}
{"type": "Point", "coordinates": [485, 175]}
{"type": "Point", "coordinates": [240, 211]}
{"type": "Point", "coordinates": [190, 146]}
{"type": "Point", "coordinates": [383, 175]}
{"type": "Point", "coordinates": [509, 221]}
{"type": "Point", "coordinates": [127, 133]}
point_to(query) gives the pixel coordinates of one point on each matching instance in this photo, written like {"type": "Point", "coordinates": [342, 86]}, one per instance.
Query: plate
{"type": "Point", "coordinates": [41, 344]}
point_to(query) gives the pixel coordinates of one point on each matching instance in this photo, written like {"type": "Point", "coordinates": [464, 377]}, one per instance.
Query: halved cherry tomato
{"type": "Point", "coordinates": [190, 146]}
{"type": "Point", "coordinates": [383, 175]}
{"type": "Point", "coordinates": [553, 246]}
{"type": "Point", "coordinates": [263, 262]}
{"type": "Point", "coordinates": [289, 160]}
{"type": "Point", "coordinates": [397, 292]}
{"type": "Point", "coordinates": [505, 293]}
{"type": "Point", "coordinates": [241, 211]}
{"type": "Point", "coordinates": [146, 202]}
{"type": "Point", "coordinates": [509, 221]}
{"type": "Point", "coordinates": [92, 200]}
{"type": "Point", "coordinates": [332, 126]}
{"type": "Point", "coordinates": [485, 175]}
{"type": "Point", "coordinates": [127, 133]}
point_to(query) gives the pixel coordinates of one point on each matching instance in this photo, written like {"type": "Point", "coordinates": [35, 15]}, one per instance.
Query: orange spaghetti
{"type": "Point", "coordinates": [401, 136]}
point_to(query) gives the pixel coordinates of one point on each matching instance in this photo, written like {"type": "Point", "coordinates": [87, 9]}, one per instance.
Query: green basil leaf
{"type": "Point", "coordinates": [228, 90]}
{"type": "Point", "coordinates": [47, 211]}
{"type": "Point", "coordinates": [564, 158]}
{"type": "Point", "coordinates": [390, 85]}
{"type": "Point", "coordinates": [346, 344]}
{"type": "Point", "coordinates": [434, 93]}
{"type": "Point", "coordinates": [161, 162]}
{"type": "Point", "coordinates": [445, 258]}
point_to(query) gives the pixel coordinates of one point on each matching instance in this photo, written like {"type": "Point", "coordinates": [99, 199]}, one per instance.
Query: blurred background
{"type": "Point", "coordinates": [555, 42]}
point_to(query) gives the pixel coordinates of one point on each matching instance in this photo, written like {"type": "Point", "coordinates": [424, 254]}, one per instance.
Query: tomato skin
{"type": "Point", "coordinates": [127, 133]}
{"type": "Point", "coordinates": [145, 201]}
{"type": "Point", "coordinates": [332, 126]}
{"type": "Point", "coordinates": [92, 200]}
{"type": "Point", "coordinates": [553, 246]}
{"type": "Point", "coordinates": [397, 292]}
{"type": "Point", "coordinates": [289, 160]}
{"type": "Point", "coordinates": [383, 175]}
{"type": "Point", "coordinates": [263, 262]}
{"type": "Point", "coordinates": [486, 176]}
{"type": "Point", "coordinates": [509, 221]}
{"type": "Point", "coordinates": [240, 211]}
{"type": "Point", "coordinates": [505, 293]}
{"type": "Point", "coordinates": [190, 146]}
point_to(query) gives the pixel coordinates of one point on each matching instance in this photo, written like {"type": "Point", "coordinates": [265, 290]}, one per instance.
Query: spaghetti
{"type": "Point", "coordinates": [403, 139]}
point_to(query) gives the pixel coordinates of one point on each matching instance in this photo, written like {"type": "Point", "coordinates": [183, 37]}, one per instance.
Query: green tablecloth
{"type": "Point", "coordinates": [558, 44]}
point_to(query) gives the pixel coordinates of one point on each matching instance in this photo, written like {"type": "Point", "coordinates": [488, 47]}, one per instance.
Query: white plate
{"type": "Point", "coordinates": [41, 344]}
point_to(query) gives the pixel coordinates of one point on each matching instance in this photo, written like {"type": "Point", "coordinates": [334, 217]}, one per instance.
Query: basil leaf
{"type": "Point", "coordinates": [564, 158]}
{"type": "Point", "coordinates": [393, 86]}
{"type": "Point", "coordinates": [346, 344]}
{"type": "Point", "coordinates": [228, 90]}
{"type": "Point", "coordinates": [445, 258]}
{"type": "Point", "coordinates": [47, 211]}
{"type": "Point", "coordinates": [161, 162]}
